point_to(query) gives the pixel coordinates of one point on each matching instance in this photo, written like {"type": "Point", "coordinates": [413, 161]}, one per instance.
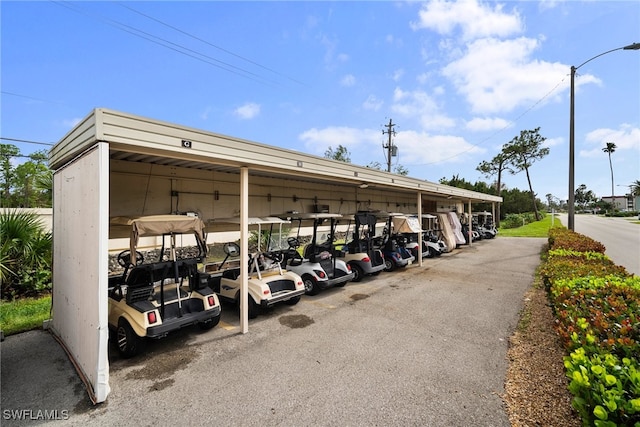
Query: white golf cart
{"type": "Point", "coordinates": [317, 265]}
{"type": "Point", "coordinates": [268, 282]}
{"type": "Point", "coordinates": [152, 299]}
{"type": "Point", "coordinates": [485, 224]}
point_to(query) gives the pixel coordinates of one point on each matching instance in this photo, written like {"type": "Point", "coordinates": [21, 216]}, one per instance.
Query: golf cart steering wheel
{"type": "Point", "coordinates": [293, 242]}
{"type": "Point", "coordinates": [274, 256]}
{"type": "Point", "coordinates": [124, 258]}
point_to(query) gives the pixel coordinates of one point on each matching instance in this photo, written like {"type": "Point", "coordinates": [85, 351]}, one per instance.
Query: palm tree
{"type": "Point", "coordinates": [635, 188]}
{"type": "Point", "coordinates": [610, 148]}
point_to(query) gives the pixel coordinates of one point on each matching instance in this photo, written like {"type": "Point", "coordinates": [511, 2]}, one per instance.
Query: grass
{"type": "Point", "coordinates": [24, 314]}
{"type": "Point", "coordinates": [534, 229]}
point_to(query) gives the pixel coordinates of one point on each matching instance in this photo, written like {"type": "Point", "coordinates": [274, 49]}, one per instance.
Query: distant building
{"type": "Point", "coordinates": [622, 203]}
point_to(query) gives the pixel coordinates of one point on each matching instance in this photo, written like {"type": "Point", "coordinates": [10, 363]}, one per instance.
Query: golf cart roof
{"type": "Point", "coordinates": [406, 224]}
{"type": "Point", "coordinates": [429, 216]}
{"type": "Point", "coordinates": [253, 220]}
{"type": "Point", "coordinates": [310, 216]}
{"type": "Point", "coordinates": [159, 225]}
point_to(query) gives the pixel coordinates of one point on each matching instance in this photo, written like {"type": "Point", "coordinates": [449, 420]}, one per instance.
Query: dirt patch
{"type": "Point", "coordinates": [296, 321]}
{"type": "Point", "coordinates": [164, 365]}
{"type": "Point", "coordinates": [536, 391]}
{"type": "Point", "coordinates": [358, 297]}
{"type": "Point", "coordinates": [161, 385]}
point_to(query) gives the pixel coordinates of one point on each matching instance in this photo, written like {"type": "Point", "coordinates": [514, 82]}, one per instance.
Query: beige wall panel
{"type": "Point", "coordinates": [80, 264]}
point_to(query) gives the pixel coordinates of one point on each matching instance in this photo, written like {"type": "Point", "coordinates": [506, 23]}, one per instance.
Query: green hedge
{"type": "Point", "coordinates": [597, 309]}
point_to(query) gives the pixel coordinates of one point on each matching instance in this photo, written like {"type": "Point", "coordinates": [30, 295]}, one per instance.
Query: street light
{"type": "Point", "coordinates": [571, 201]}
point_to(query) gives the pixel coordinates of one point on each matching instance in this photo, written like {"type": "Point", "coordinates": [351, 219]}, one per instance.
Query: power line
{"type": "Point", "coordinates": [208, 43]}
{"type": "Point", "coordinates": [165, 43]}
{"type": "Point", "coordinates": [27, 141]}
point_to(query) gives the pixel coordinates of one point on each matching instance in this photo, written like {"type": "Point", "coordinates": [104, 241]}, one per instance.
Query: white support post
{"type": "Point", "coordinates": [244, 244]}
{"type": "Point", "coordinates": [420, 233]}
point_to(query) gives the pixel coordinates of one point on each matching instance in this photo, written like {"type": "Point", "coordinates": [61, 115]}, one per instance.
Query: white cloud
{"type": "Point", "coordinates": [420, 106]}
{"type": "Point", "coordinates": [423, 148]}
{"type": "Point", "coordinates": [247, 111]}
{"type": "Point", "coordinates": [397, 74]}
{"type": "Point", "coordinates": [474, 19]}
{"type": "Point", "coordinates": [372, 103]}
{"type": "Point", "coordinates": [317, 141]}
{"type": "Point", "coordinates": [205, 114]}
{"type": "Point", "coordinates": [552, 142]}
{"type": "Point", "coordinates": [498, 76]}
{"type": "Point", "coordinates": [71, 123]}
{"type": "Point", "coordinates": [626, 138]}
{"type": "Point", "coordinates": [348, 80]}
{"type": "Point", "coordinates": [488, 124]}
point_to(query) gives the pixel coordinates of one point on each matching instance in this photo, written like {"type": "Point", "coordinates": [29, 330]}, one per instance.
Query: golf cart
{"type": "Point", "coordinates": [150, 299]}
{"type": "Point", "coordinates": [409, 226]}
{"type": "Point", "coordinates": [317, 265]}
{"type": "Point", "coordinates": [359, 252]}
{"type": "Point", "coordinates": [486, 227]}
{"type": "Point", "coordinates": [392, 244]}
{"type": "Point", "coordinates": [268, 282]}
{"type": "Point", "coordinates": [433, 234]}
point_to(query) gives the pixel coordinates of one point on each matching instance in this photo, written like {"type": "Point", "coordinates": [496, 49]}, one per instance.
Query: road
{"type": "Point", "coordinates": [621, 237]}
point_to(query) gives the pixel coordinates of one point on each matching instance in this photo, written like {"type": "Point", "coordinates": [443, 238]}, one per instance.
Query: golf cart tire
{"type": "Point", "coordinates": [129, 343]}
{"type": "Point", "coordinates": [209, 324]}
{"type": "Point", "coordinates": [358, 273]}
{"type": "Point", "coordinates": [293, 301]}
{"type": "Point", "coordinates": [389, 265]}
{"type": "Point", "coordinates": [310, 285]}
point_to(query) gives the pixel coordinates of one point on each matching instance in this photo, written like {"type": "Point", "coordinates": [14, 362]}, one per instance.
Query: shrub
{"type": "Point", "coordinates": [25, 255]}
{"type": "Point", "coordinates": [597, 309]}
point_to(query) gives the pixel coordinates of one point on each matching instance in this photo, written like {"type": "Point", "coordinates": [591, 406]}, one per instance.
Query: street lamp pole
{"type": "Point", "coordinates": [571, 200]}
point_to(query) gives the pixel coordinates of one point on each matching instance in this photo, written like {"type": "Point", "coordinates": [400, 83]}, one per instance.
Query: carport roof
{"type": "Point", "coordinates": [139, 139]}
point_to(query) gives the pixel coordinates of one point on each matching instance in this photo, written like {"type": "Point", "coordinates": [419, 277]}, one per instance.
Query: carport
{"type": "Point", "coordinates": [116, 164]}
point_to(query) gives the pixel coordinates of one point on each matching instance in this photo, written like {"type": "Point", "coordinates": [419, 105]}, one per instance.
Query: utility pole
{"type": "Point", "coordinates": [392, 150]}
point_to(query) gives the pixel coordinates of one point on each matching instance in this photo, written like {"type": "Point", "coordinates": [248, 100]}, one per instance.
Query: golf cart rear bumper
{"type": "Point", "coordinates": [281, 296]}
{"type": "Point", "coordinates": [175, 323]}
{"type": "Point", "coordinates": [368, 268]}
{"type": "Point", "coordinates": [336, 280]}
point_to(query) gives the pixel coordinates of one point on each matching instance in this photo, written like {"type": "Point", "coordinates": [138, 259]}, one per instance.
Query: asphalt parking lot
{"type": "Point", "coordinates": [419, 346]}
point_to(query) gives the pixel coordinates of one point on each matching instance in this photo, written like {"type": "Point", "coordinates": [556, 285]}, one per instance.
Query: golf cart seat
{"type": "Point", "coordinates": [139, 285]}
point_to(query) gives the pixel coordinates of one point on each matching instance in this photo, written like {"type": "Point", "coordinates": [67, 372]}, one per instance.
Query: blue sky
{"type": "Point", "coordinates": [459, 79]}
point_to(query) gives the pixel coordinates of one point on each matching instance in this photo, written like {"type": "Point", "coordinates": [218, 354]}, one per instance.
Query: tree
{"type": "Point", "coordinates": [496, 166]}
{"type": "Point", "coordinates": [521, 152]}
{"type": "Point", "coordinates": [341, 154]}
{"type": "Point", "coordinates": [610, 148]}
{"type": "Point", "coordinates": [584, 197]}
{"type": "Point", "coordinates": [398, 170]}
{"type": "Point", "coordinates": [27, 185]}
{"type": "Point", "coordinates": [635, 188]}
